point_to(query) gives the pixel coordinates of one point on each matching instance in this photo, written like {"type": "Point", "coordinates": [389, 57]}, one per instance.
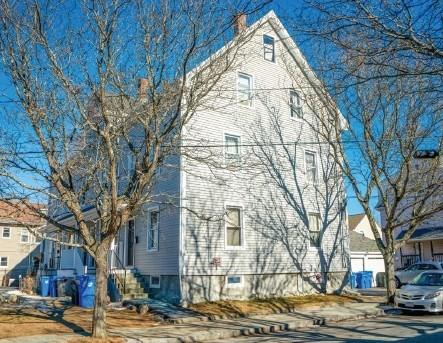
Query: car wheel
{"type": "Point", "coordinates": [397, 283]}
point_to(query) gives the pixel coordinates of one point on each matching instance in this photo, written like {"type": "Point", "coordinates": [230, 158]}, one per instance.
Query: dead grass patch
{"type": "Point", "coordinates": [242, 308]}
{"type": "Point", "coordinates": [60, 319]}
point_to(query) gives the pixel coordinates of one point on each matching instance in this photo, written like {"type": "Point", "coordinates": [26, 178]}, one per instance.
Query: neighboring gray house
{"type": "Point", "coordinates": [222, 238]}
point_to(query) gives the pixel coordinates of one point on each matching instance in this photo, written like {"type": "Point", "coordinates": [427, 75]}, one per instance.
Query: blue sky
{"type": "Point", "coordinates": [284, 9]}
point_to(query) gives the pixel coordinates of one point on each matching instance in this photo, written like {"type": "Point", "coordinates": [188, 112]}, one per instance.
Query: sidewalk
{"type": "Point", "coordinates": [200, 331]}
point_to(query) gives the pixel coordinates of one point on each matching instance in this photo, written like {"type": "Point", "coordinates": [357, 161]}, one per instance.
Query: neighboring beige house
{"type": "Point", "coordinates": [17, 245]}
{"type": "Point", "coordinates": [360, 223]}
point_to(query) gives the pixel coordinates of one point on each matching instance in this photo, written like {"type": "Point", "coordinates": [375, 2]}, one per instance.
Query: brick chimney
{"type": "Point", "coordinates": [239, 23]}
{"type": "Point", "coordinates": [143, 85]}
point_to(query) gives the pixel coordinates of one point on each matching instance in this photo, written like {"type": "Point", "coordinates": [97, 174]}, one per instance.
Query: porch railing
{"type": "Point", "coordinates": [437, 257]}
{"type": "Point", "coordinates": [116, 266]}
{"type": "Point", "coordinates": [407, 260]}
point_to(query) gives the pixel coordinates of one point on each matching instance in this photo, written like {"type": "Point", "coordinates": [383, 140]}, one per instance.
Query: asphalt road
{"type": "Point", "coordinates": [391, 328]}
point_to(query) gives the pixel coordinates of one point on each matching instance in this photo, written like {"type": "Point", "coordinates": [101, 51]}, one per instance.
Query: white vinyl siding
{"type": "Point", "coordinates": [244, 88]}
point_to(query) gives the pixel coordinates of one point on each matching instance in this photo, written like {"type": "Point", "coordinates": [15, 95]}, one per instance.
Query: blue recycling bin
{"type": "Point", "coordinates": [86, 290]}
{"type": "Point", "coordinates": [353, 280]}
{"type": "Point", "coordinates": [44, 285]}
{"type": "Point", "coordinates": [359, 280]}
{"type": "Point", "coordinates": [53, 286]}
{"type": "Point", "coordinates": [367, 279]}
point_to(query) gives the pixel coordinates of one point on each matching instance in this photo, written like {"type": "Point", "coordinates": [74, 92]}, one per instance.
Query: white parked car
{"type": "Point", "coordinates": [405, 276]}
{"type": "Point", "coordinates": [423, 293]}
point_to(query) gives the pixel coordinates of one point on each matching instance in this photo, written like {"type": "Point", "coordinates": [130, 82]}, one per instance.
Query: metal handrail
{"type": "Point", "coordinates": [112, 270]}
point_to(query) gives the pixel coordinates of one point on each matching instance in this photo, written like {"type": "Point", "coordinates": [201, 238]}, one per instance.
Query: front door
{"type": "Point", "coordinates": [130, 237]}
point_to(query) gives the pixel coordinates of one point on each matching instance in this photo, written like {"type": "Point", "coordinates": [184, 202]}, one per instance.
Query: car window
{"type": "Point", "coordinates": [428, 279]}
{"type": "Point", "coordinates": [426, 266]}
{"type": "Point", "coordinates": [412, 267]}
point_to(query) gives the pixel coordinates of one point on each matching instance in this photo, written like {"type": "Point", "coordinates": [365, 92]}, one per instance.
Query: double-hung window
{"type": "Point", "coordinates": [314, 230]}
{"type": "Point", "coordinates": [311, 166]}
{"type": "Point", "coordinates": [6, 232]}
{"type": "Point", "coordinates": [232, 148]}
{"type": "Point", "coordinates": [269, 48]}
{"type": "Point", "coordinates": [3, 261]}
{"type": "Point", "coordinates": [244, 87]}
{"type": "Point", "coordinates": [153, 230]}
{"type": "Point", "coordinates": [295, 104]}
{"type": "Point", "coordinates": [233, 227]}
{"type": "Point", "coordinates": [24, 236]}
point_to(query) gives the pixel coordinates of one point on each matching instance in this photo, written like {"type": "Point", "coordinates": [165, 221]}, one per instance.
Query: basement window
{"type": "Point", "coordinates": [154, 281]}
{"type": "Point", "coordinates": [234, 281]}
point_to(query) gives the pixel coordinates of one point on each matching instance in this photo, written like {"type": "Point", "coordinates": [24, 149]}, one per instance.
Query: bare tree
{"type": "Point", "coordinates": [80, 112]}
{"type": "Point", "coordinates": [305, 208]}
{"type": "Point", "coordinates": [382, 64]}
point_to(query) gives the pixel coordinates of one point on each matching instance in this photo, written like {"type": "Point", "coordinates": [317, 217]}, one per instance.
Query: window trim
{"type": "Point", "coordinates": [234, 285]}
{"type": "Point", "coordinates": [7, 262]}
{"type": "Point", "coordinates": [10, 232]}
{"type": "Point", "coordinates": [151, 285]}
{"type": "Point", "coordinates": [242, 245]}
{"type": "Point", "coordinates": [150, 210]}
{"type": "Point", "coordinates": [251, 91]}
{"type": "Point", "coordinates": [274, 48]}
{"type": "Point", "coordinates": [313, 247]}
{"type": "Point", "coordinates": [231, 134]}
{"type": "Point", "coordinates": [295, 117]}
{"type": "Point", "coordinates": [28, 234]}
{"type": "Point", "coordinates": [306, 166]}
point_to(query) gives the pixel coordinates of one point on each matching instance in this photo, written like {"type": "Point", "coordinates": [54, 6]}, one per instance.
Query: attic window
{"type": "Point", "coordinates": [269, 48]}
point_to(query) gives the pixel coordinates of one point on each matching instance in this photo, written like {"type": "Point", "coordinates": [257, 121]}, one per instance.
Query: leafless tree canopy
{"type": "Point", "coordinates": [83, 130]}
{"type": "Point", "coordinates": [382, 62]}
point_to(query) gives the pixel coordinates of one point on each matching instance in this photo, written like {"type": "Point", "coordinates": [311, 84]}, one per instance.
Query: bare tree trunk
{"type": "Point", "coordinates": [390, 277]}
{"type": "Point", "coordinates": [101, 297]}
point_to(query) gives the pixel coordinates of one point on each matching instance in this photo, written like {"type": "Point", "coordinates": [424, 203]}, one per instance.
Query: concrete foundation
{"type": "Point", "coordinates": [201, 288]}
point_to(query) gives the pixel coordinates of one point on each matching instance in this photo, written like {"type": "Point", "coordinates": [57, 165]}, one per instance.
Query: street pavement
{"type": "Point", "coordinates": [390, 328]}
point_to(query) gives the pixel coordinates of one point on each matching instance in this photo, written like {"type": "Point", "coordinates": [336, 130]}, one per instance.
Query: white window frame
{"type": "Point", "coordinates": [225, 155]}
{"type": "Point", "coordinates": [3, 232]}
{"type": "Point", "coordinates": [7, 262]}
{"type": "Point", "coordinates": [234, 285]}
{"type": "Point", "coordinates": [274, 52]}
{"type": "Point", "coordinates": [306, 166]}
{"type": "Point", "coordinates": [242, 245]}
{"type": "Point", "coordinates": [314, 247]}
{"type": "Point", "coordinates": [251, 100]}
{"type": "Point", "coordinates": [27, 234]}
{"type": "Point", "coordinates": [299, 105]}
{"type": "Point", "coordinates": [150, 281]}
{"type": "Point", "coordinates": [148, 226]}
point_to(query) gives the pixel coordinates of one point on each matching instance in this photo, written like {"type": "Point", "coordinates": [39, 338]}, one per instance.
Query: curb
{"type": "Point", "coordinates": [214, 334]}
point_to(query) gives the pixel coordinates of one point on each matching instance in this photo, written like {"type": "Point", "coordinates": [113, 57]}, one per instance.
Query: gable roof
{"type": "Point", "coordinates": [19, 213]}
{"type": "Point", "coordinates": [424, 234]}
{"type": "Point", "coordinates": [360, 243]}
{"type": "Point", "coordinates": [293, 50]}
{"type": "Point", "coordinates": [354, 220]}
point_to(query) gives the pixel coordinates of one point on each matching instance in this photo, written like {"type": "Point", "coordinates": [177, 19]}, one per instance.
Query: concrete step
{"type": "Point", "coordinates": [132, 296]}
